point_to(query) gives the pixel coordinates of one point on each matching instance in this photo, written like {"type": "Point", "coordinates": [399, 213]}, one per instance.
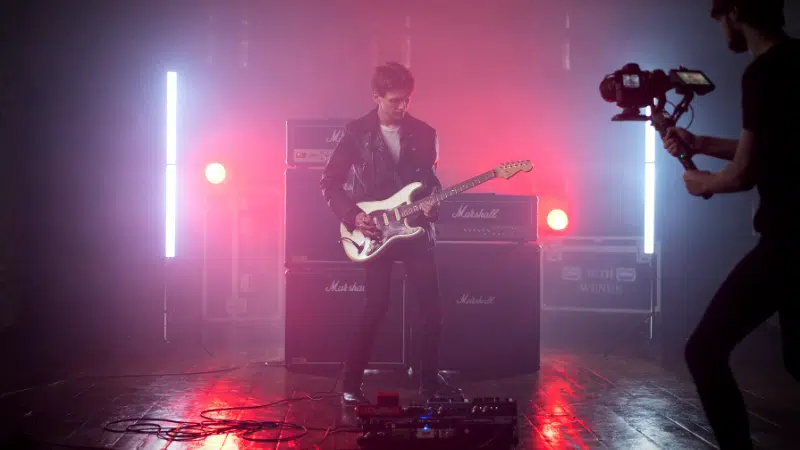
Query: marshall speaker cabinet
{"type": "Point", "coordinates": [311, 142]}
{"type": "Point", "coordinates": [312, 230]}
{"type": "Point", "coordinates": [490, 295]}
{"type": "Point", "coordinates": [323, 307]}
{"type": "Point", "coordinates": [488, 217]}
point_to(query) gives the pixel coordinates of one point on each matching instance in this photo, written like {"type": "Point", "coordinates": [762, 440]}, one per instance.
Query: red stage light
{"type": "Point", "coordinates": [215, 173]}
{"type": "Point", "coordinates": [557, 220]}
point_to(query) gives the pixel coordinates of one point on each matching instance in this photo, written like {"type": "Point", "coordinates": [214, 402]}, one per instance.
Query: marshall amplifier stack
{"type": "Point", "coordinates": [311, 229]}
{"type": "Point", "coordinates": [324, 290]}
{"type": "Point", "coordinates": [489, 274]}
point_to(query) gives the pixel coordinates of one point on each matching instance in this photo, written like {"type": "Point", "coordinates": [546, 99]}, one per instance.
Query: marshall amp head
{"type": "Point", "coordinates": [311, 142]}
{"type": "Point", "coordinates": [488, 217]}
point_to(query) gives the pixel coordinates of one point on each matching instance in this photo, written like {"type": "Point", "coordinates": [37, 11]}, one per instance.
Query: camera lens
{"type": "Point", "coordinates": [608, 89]}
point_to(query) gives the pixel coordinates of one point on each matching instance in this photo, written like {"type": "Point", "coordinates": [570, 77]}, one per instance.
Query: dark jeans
{"type": "Point", "coordinates": [756, 288]}
{"type": "Point", "coordinates": [420, 266]}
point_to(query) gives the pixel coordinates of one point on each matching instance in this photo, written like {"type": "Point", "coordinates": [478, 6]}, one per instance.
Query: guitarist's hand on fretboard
{"type": "Point", "coordinates": [430, 207]}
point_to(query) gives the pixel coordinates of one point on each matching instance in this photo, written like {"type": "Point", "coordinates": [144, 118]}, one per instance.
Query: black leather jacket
{"type": "Point", "coordinates": [375, 175]}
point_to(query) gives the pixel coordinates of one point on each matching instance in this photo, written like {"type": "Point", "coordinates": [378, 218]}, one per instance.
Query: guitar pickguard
{"type": "Point", "coordinates": [390, 232]}
{"type": "Point", "coordinates": [396, 229]}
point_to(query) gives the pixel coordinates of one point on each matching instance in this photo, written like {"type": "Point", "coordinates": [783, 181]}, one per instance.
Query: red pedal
{"type": "Point", "coordinates": [379, 411]}
{"type": "Point", "coordinates": [388, 398]}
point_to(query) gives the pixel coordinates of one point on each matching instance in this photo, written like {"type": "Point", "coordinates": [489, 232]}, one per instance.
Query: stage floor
{"type": "Point", "coordinates": [575, 401]}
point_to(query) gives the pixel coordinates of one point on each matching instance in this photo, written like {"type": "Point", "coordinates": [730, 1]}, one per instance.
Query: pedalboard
{"type": "Point", "coordinates": [441, 423]}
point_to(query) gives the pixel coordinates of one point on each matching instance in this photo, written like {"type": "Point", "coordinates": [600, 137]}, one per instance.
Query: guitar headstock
{"type": "Point", "coordinates": [509, 169]}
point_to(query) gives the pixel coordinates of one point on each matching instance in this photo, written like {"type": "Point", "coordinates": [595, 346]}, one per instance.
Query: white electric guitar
{"type": "Point", "coordinates": [391, 215]}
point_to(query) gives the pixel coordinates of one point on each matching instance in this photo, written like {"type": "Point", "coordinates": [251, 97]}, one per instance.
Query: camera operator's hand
{"type": "Point", "coordinates": [697, 182]}
{"type": "Point", "coordinates": [674, 137]}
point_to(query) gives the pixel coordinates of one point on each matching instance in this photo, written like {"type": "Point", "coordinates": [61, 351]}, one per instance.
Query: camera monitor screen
{"type": "Point", "coordinates": [630, 81]}
{"type": "Point", "coordinates": [696, 78]}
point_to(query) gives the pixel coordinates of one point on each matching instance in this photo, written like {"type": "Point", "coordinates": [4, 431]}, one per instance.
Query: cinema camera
{"type": "Point", "coordinates": [632, 88]}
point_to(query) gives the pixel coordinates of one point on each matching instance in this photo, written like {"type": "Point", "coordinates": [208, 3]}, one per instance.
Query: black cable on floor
{"type": "Point", "coordinates": [210, 426]}
{"type": "Point", "coordinates": [178, 430]}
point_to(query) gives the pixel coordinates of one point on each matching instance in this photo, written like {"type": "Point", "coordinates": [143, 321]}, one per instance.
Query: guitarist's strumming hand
{"type": "Point", "coordinates": [367, 227]}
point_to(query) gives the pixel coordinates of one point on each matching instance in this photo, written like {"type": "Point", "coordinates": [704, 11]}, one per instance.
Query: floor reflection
{"type": "Point", "coordinates": [574, 402]}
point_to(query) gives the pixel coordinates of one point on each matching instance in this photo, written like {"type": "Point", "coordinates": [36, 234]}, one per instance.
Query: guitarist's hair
{"type": "Point", "coordinates": [390, 77]}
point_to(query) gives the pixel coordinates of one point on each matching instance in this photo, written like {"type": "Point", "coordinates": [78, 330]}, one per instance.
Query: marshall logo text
{"type": "Point", "coordinates": [339, 286]}
{"type": "Point", "coordinates": [336, 136]}
{"type": "Point", "coordinates": [465, 212]}
{"type": "Point", "coordinates": [467, 299]}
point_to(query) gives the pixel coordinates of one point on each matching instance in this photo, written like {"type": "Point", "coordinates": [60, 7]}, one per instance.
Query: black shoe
{"type": "Point", "coordinates": [441, 389]}
{"type": "Point", "coordinates": [354, 397]}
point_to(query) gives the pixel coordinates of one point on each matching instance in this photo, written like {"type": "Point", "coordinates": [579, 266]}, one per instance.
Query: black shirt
{"type": "Point", "coordinates": [771, 111]}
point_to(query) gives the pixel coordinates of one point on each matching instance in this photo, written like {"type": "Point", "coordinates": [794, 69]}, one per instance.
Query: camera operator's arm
{"type": "Point", "coordinates": [700, 145]}
{"type": "Point", "coordinates": [716, 147]}
{"type": "Point", "coordinates": [736, 176]}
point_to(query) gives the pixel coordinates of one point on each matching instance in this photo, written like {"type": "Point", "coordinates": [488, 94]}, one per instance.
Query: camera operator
{"type": "Point", "coordinates": [765, 156]}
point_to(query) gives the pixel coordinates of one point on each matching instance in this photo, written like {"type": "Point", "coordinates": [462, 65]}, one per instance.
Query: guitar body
{"type": "Point", "coordinates": [359, 248]}
{"type": "Point", "coordinates": [391, 216]}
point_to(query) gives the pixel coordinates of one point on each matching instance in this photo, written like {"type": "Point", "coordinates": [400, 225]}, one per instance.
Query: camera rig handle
{"type": "Point", "coordinates": [663, 121]}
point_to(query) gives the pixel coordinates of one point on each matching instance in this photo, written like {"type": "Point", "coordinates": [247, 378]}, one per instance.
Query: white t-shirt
{"type": "Point", "coordinates": [391, 135]}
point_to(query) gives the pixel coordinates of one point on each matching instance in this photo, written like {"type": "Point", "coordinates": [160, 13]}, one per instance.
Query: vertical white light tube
{"type": "Point", "coordinates": [407, 46]}
{"type": "Point", "coordinates": [649, 187]}
{"type": "Point", "coordinates": [171, 160]}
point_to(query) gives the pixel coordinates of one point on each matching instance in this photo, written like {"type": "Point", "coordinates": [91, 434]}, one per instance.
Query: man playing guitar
{"type": "Point", "coordinates": [388, 149]}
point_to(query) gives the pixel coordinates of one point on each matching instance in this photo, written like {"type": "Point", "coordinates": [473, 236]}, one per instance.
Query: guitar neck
{"type": "Point", "coordinates": [416, 206]}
